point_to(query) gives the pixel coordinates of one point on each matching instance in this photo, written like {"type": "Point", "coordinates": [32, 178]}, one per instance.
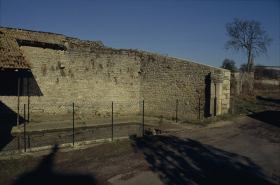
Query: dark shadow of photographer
{"type": "Point", "coordinates": [44, 175]}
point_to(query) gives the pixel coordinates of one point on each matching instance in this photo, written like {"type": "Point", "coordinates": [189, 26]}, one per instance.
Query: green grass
{"type": "Point", "coordinates": [241, 107]}
{"type": "Point", "coordinates": [92, 159]}
{"type": "Point", "coordinates": [249, 106]}
{"type": "Point", "coordinates": [12, 168]}
{"type": "Point", "coordinates": [74, 153]}
{"type": "Point", "coordinates": [244, 107]}
{"type": "Point", "coordinates": [27, 157]}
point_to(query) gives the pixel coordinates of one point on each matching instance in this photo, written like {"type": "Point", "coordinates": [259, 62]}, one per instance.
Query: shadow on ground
{"type": "Point", "coordinates": [269, 117]}
{"type": "Point", "coordinates": [44, 175]}
{"type": "Point", "coordinates": [186, 161]}
{"type": "Point", "coordinates": [274, 100]}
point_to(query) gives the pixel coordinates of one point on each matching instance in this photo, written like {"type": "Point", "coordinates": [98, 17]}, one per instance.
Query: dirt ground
{"type": "Point", "coordinates": [244, 150]}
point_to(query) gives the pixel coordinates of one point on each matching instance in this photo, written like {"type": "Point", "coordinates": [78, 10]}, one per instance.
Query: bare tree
{"type": "Point", "coordinates": [247, 36]}
{"type": "Point", "coordinates": [243, 67]}
{"type": "Point", "coordinates": [229, 64]}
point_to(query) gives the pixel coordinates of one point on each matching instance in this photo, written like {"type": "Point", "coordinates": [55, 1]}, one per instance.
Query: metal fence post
{"type": "Point", "coordinates": [73, 125]}
{"type": "Point", "coordinates": [28, 99]}
{"type": "Point", "coordinates": [112, 124]}
{"type": "Point", "coordinates": [28, 108]}
{"type": "Point", "coordinates": [143, 119]}
{"type": "Point", "coordinates": [18, 141]}
{"type": "Point", "coordinates": [24, 135]}
{"type": "Point", "coordinates": [28, 141]}
{"type": "Point", "coordinates": [199, 108]}
{"type": "Point", "coordinates": [215, 106]}
{"type": "Point", "coordinates": [176, 110]}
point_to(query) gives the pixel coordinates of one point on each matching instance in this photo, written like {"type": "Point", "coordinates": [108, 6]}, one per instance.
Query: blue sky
{"type": "Point", "coordinates": [192, 30]}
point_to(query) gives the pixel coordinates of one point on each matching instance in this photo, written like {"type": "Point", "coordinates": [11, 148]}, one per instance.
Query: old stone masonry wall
{"type": "Point", "coordinates": [169, 84]}
{"type": "Point", "coordinates": [92, 76]}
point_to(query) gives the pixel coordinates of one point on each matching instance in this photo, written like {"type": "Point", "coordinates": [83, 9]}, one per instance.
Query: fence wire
{"type": "Point", "coordinates": [61, 123]}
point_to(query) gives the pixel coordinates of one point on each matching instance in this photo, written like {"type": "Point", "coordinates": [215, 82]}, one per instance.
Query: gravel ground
{"type": "Point", "coordinates": [241, 151]}
{"type": "Point", "coordinates": [244, 152]}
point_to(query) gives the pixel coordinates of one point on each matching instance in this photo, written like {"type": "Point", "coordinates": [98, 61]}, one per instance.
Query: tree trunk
{"type": "Point", "coordinates": [252, 65]}
{"type": "Point", "coordinates": [249, 57]}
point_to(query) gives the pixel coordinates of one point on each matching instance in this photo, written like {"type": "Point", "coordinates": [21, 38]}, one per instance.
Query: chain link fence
{"type": "Point", "coordinates": [70, 124]}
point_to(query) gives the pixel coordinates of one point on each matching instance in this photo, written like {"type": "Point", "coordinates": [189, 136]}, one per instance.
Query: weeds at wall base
{"type": "Point", "coordinates": [62, 146]}
{"type": "Point", "coordinates": [243, 105]}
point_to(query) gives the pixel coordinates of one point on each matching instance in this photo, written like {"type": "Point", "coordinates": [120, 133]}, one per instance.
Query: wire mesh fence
{"type": "Point", "coordinates": [8, 119]}
{"type": "Point", "coordinates": [32, 126]}
{"type": "Point", "coordinates": [43, 125]}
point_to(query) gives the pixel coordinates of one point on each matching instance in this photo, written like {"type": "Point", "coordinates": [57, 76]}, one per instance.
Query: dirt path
{"type": "Point", "coordinates": [241, 151]}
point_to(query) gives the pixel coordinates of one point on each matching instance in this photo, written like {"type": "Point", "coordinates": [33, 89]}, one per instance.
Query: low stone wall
{"type": "Point", "coordinates": [46, 138]}
{"type": "Point", "coordinates": [270, 82]}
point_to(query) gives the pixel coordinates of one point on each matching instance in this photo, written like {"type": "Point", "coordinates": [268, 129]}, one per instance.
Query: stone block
{"type": "Point", "coordinates": [227, 73]}
{"type": "Point", "coordinates": [226, 91]}
{"type": "Point", "coordinates": [226, 77]}
{"type": "Point", "coordinates": [225, 106]}
{"type": "Point", "coordinates": [225, 111]}
{"type": "Point", "coordinates": [225, 101]}
{"type": "Point", "coordinates": [217, 71]}
{"type": "Point", "coordinates": [227, 96]}
{"type": "Point", "coordinates": [224, 87]}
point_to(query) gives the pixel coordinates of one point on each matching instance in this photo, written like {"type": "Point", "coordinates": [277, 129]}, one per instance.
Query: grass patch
{"type": "Point", "coordinates": [245, 107]}
{"type": "Point", "coordinates": [11, 169]}
{"type": "Point", "coordinates": [242, 106]}
{"type": "Point", "coordinates": [27, 157]}
{"type": "Point", "coordinates": [265, 87]}
{"type": "Point", "coordinates": [259, 103]}
{"type": "Point", "coordinates": [75, 153]}
{"type": "Point", "coordinates": [92, 159]}
{"type": "Point", "coordinates": [226, 116]}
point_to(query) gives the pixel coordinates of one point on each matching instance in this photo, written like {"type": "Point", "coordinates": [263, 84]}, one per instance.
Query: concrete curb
{"type": "Point", "coordinates": [65, 145]}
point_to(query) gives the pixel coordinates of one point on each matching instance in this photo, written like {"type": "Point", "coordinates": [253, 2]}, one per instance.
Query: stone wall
{"type": "Point", "coordinates": [91, 79]}
{"type": "Point", "coordinates": [270, 82]}
{"type": "Point", "coordinates": [242, 83]}
{"type": "Point", "coordinates": [167, 79]}
{"type": "Point", "coordinates": [92, 76]}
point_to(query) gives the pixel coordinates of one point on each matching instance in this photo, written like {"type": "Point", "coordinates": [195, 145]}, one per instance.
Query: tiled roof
{"type": "Point", "coordinates": [35, 36]}
{"type": "Point", "coordinates": [11, 56]}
